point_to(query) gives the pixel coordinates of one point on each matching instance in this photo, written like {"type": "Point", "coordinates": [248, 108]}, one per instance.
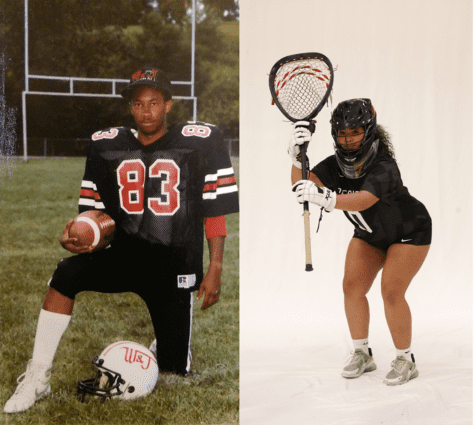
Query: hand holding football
{"type": "Point", "coordinates": [88, 232]}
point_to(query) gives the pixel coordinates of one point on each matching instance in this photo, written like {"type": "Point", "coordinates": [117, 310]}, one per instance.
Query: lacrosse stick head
{"type": "Point", "coordinates": [301, 84]}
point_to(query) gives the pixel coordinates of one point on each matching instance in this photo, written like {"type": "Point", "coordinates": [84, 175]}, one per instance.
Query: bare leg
{"type": "Point", "coordinates": [401, 265]}
{"type": "Point", "coordinates": [58, 303]}
{"type": "Point", "coordinates": [363, 262]}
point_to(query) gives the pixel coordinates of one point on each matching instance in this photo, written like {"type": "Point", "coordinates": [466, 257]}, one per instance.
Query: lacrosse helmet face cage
{"type": "Point", "coordinates": [351, 114]}
{"type": "Point", "coordinates": [125, 370]}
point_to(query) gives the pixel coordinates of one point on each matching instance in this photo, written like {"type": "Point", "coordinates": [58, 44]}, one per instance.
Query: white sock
{"type": "Point", "coordinates": [405, 353]}
{"type": "Point", "coordinates": [49, 331]}
{"type": "Point", "coordinates": [361, 344]}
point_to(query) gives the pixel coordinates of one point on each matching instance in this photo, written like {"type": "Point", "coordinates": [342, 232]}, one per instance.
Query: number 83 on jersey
{"type": "Point", "coordinates": [131, 176]}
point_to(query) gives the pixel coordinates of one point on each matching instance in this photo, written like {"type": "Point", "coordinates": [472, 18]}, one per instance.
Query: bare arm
{"type": "Point", "coordinates": [358, 201]}
{"type": "Point", "coordinates": [296, 176]}
{"type": "Point", "coordinates": [211, 284]}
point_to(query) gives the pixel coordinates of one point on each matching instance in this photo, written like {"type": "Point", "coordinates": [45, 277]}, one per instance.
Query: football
{"type": "Point", "coordinates": [93, 228]}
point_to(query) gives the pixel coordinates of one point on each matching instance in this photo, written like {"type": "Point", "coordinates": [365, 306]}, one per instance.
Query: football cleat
{"type": "Point", "coordinates": [358, 364]}
{"type": "Point", "coordinates": [402, 371]}
{"type": "Point", "coordinates": [32, 386]}
{"type": "Point", "coordinates": [125, 370]}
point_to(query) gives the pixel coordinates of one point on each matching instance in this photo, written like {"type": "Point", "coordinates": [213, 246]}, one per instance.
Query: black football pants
{"type": "Point", "coordinates": [115, 271]}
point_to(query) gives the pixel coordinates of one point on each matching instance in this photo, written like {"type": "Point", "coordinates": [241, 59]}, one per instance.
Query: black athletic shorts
{"type": "Point", "coordinates": [421, 236]}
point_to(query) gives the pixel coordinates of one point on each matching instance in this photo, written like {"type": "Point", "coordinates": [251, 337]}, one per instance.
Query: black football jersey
{"type": "Point", "coordinates": [394, 216]}
{"type": "Point", "coordinates": [159, 194]}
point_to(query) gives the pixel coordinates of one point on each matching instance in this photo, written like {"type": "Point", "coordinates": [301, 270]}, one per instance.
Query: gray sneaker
{"type": "Point", "coordinates": [402, 371]}
{"type": "Point", "coordinates": [32, 385]}
{"type": "Point", "coordinates": [358, 364]}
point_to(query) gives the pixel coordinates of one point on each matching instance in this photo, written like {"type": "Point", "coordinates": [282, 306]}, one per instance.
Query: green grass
{"type": "Point", "coordinates": [36, 200]}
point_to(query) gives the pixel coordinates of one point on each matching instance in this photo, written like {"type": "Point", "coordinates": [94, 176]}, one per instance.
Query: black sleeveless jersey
{"type": "Point", "coordinates": [394, 216]}
{"type": "Point", "coordinates": [159, 194]}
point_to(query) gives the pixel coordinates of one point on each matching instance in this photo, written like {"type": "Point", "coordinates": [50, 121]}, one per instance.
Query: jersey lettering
{"type": "Point", "coordinates": [131, 179]}
{"type": "Point", "coordinates": [356, 217]}
{"type": "Point", "coordinates": [109, 134]}
{"type": "Point", "coordinates": [196, 130]}
{"type": "Point", "coordinates": [345, 191]}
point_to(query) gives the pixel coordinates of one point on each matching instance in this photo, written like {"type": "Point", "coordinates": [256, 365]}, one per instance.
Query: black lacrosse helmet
{"type": "Point", "coordinates": [351, 114]}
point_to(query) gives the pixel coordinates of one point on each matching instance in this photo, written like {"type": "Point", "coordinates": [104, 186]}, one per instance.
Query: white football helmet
{"type": "Point", "coordinates": [126, 370]}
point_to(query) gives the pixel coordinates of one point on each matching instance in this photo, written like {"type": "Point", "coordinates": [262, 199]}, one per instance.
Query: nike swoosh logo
{"type": "Point", "coordinates": [406, 240]}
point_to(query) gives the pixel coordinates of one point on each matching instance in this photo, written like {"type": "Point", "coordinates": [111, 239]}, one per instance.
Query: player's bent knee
{"type": "Point", "coordinates": [64, 289]}
{"type": "Point", "coordinates": [354, 288]}
{"type": "Point", "coordinates": [56, 302]}
{"type": "Point", "coordinates": [68, 277]}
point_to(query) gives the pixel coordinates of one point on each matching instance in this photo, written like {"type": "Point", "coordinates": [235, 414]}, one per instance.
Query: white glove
{"type": "Point", "coordinates": [308, 191]}
{"type": "Point", "coordinates": [299, 136]}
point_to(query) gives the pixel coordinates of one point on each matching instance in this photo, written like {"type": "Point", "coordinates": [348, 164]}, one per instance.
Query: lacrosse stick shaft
{"type": "Point", "coordinates": [307, 233]}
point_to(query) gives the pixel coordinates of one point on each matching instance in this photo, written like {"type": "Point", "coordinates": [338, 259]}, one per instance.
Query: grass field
{"type": "Point", "coordinates": [38, 198]}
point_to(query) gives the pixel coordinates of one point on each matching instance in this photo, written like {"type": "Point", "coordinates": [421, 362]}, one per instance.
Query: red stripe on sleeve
{"type": "Point", "coordinates": [89, 193]}
{"type": "Point", "coordinates": [212, 187]}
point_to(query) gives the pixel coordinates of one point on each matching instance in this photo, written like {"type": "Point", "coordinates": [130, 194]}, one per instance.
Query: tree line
{"type": "Point", "coordinates": [111, 39]}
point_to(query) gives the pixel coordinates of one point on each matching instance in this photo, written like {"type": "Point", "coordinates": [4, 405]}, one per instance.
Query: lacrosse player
{"type": "Point", "coordinates": [392, 229]}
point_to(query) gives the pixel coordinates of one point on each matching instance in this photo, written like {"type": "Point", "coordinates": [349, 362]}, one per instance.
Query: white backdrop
{"type": "Point", "coordinates": [413, 59]}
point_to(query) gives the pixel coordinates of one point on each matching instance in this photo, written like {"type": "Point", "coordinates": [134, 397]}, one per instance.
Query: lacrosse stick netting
{"type": "Point", "coordinates": [301, 85]}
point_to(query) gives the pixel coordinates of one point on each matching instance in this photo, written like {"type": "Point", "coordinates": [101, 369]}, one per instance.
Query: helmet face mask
{"type": "Point", "coordinates": [355, 166]}
{"type": "Point", "coordinates": [125, 370]}
{"type": "Point", "coordinates": [105, 384]}
{"type": "Point", "coordinates": [352, 114]}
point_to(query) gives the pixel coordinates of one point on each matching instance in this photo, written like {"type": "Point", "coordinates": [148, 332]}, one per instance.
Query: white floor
{"type": "Point", "coordinates": [301, 384]}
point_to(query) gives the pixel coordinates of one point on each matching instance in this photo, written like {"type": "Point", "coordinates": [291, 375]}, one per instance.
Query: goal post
{"type": "Point", "coordinates": [112, 93]}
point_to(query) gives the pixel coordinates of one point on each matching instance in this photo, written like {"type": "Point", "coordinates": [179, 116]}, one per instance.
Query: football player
{"type": "Point", "coordinates": [392, 228]}
{"type": "Point", "coordinates": [159, 186]}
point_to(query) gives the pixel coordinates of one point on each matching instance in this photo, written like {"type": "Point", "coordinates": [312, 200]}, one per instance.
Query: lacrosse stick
{"type": "Point", "coordinates": [300, 85]}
